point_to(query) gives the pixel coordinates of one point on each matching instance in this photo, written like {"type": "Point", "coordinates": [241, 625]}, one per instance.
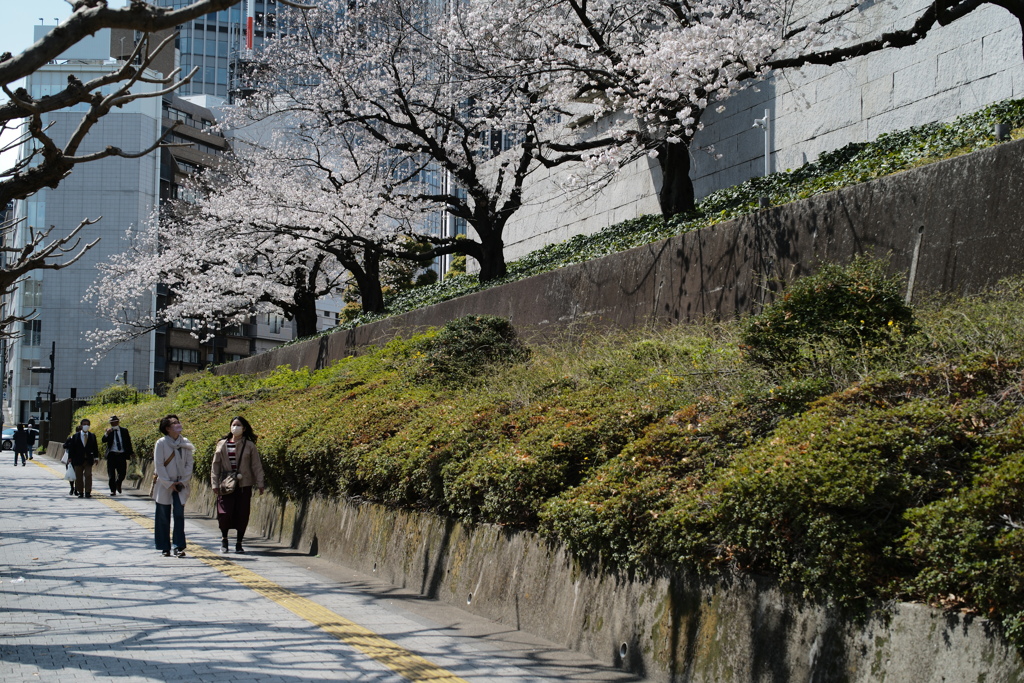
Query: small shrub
{"type": "Point", "coordinates": [855, 307]}
{"type": "Point", "coordinates": [118, 393]}
{"type": "Point", "coordinates": [457, 267]}
{"type": "Point", "coordinates": [467, 346]}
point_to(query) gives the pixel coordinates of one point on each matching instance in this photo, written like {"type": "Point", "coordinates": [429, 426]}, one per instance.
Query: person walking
{"type": "Point", "coordinates": [172, 463]}
{"type": "Point", "coordinates": [67, 458]}
{"type": "Point", "coordinates": [236, 468]}
{"type": "Point", "coordinates": [33, 437]}
{"type": "Point", "coordinates": [119, 450]}
{"type": "Point", "coordinates": [83, 454]}
{"type": "Point", "coordinates": [20, 444]}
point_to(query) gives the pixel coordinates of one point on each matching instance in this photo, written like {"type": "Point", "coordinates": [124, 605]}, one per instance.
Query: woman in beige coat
{"type": "Point", "coordinates": [235, 470]}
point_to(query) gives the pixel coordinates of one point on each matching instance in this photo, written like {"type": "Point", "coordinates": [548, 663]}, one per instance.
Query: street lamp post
{"type": "Point", "coordinates": [49, 388]}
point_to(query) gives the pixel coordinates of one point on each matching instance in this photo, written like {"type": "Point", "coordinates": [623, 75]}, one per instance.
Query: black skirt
{"type": "Point", "coordinates": [233, 509]}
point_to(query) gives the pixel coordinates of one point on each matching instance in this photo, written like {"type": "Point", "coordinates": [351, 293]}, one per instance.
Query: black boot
{"type": "Point", "coordinates": [224, 543]}
{"type": "Point", "coordinates": [238, 545]}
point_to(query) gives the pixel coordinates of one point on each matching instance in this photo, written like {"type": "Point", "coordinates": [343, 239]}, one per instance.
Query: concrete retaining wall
{"type": "Point", "coordinates": [952, 225]}
{"type": "Point", "coordinates": [673, 629]}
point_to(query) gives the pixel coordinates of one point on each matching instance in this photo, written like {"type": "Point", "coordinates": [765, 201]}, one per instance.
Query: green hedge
{"type": "Point", "coordinates": [651, 451]}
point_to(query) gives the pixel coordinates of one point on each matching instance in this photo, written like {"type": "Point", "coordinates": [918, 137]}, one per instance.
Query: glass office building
{"type": "Point", "coordinates": [215, 42]}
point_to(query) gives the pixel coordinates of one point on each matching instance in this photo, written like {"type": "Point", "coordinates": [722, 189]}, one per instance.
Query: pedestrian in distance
{"type": "Point", "coordinates": [172, 463]}
{"type": "Point", "coordinates": [33, 437]}
{"type": "Point", "coordinates": [236, 468]}
{"type": "Point", "coordinates": [67, 458]}
{"type": "Point", "coordinates": [119, 451]}
{"type": "Point", "coordinates": [83, 454]}
{"type": "Point", "coordinates": [20, 444]}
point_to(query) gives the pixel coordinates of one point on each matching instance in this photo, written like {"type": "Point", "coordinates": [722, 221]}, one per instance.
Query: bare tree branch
{"type": "Point", "coordinates": [38, 254]}
{"type": "Point", "coordinates": [90, 16]}
{"type": "Point", "coordinates": [57, 162]}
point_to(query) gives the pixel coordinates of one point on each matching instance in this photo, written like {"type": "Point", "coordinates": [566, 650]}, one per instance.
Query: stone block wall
{"type": "Point", "coordinates": [956, 69]}
{"type": "Point", "coordinates": [948, 223]}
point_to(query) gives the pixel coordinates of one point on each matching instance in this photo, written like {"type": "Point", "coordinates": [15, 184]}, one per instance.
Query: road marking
{"type": "Point", "coordinates": [403, 662]}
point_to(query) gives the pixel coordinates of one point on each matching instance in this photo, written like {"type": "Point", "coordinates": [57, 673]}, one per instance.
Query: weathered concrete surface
{"type": "Point", "coordinates": [961, 217]}
{"type": "Point", "coordinates": [679, 629]}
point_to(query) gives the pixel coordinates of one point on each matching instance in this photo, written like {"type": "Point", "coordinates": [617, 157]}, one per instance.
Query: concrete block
{"type": "Point", "coordinates": [1002, 50]}
{"type": "Point", "coordinates": [986, 91]}
{"type": "Point", "coordinates": [962, 65]}
{"type": "Point", "coordinates": [836, 112]}
{"type": "Point", "coordinates": [877, 96]}
{"type": "Point", "coordinates": [914, 83]}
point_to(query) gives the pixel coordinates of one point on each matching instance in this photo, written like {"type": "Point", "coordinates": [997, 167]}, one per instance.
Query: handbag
{"type": "Point", "coordinates": [69, 474]}
{"type": "Point", "coordinates": [64, 458]}
{"type": "Point", "coordinates": [228, 483]}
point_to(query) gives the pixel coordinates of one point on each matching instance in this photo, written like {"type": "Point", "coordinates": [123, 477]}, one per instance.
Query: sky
{"type": "Point", "coordinates": [19, 17]}
{"type": "Point", "coordinates": [16, 32]}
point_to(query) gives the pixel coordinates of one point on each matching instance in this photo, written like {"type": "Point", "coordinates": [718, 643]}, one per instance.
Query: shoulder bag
{"type": "Point", "coordinates": [228, 483]}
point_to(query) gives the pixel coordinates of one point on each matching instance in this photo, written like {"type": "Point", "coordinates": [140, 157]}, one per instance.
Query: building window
{"type": "Point", "coordinates": [275, 322]}
{"type": "Point", "coordinates": [32, 294]}
{"type": "Point", "coordinates": [188, 324]}
{"type": "Point", "coordinates": [33, 332]}
{"type": "Point", "coordinates": [190, 356]}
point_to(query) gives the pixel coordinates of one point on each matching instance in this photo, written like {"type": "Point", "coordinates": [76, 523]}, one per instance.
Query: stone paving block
{"type": "Point", "coordinates": [91, 600]}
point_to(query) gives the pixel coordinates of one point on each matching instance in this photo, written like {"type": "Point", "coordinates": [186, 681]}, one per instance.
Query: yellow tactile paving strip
{"type": "Point", "coordinates": [401, 661]}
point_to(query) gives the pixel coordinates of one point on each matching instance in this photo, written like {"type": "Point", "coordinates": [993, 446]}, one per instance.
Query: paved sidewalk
{"type": "Point", "coordinates": [84, 596]}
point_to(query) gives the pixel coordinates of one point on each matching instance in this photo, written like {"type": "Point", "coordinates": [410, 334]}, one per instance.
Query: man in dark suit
{"type": "Point", "coordinates": [83, 453]}
{"type": "Point", "coordinates": [33, 437]}
{"type": "Point", "coordinates": [119, 449]}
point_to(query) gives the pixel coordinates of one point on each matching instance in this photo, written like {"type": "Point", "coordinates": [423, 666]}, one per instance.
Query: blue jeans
{"type": "Point", "coordinates": [162, 524]}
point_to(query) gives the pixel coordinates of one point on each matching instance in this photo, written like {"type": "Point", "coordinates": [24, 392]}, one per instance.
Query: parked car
{"type": "Point", "coordinates": [8, 439]}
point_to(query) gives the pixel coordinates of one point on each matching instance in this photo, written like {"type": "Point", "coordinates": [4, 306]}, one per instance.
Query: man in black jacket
{"type": "Point", "coordinates": [119, 450]}
{"type": "Point", "coordinates": [83, 453]}
{"type": "Point", "coordinates": [33, 437]}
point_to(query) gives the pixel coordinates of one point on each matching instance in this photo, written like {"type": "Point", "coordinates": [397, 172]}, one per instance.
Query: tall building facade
{"type": "Point", "coordinates": [121, 194]}
{"type": "Point", "coordinates": [177, 348]}
{"type": "Point", "coordinates": [216, 44]}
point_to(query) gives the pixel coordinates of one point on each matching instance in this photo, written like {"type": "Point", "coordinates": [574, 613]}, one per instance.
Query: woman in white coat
{"type": "Point", "coordinates": [172, 463]}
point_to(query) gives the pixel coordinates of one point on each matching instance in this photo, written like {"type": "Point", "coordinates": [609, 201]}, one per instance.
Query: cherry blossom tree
{"type": "Point", "coordinates": [653, 67]}
{"type": "Point", "coordinates": [420, 78]}
{"type": "Point", "coordinates": [24, 118]}
{"type": "Point", "coordinates": [282, 224]}
{"type": "Point", "coordinates": [346, 194]}
{"type": "Point", "coordinates": [217, 276]}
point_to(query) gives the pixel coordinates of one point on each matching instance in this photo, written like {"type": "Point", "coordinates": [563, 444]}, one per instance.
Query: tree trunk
{"type": "Point", "coordinates": [491, 258]}
{"type": "Point", "coordinates": [368, 281]}
{"type": "Point", "coordinates": [304, 313]}
{"type": "Point", "coordinates": [676, 194]}
{"type": "Point", "coordinates": [304, 317]}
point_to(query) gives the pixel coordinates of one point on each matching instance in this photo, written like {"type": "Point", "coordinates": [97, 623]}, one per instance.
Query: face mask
{"type": "Point", "coordinates": [174, 429]}
{"type": "Point", "coordinates": [237, 430]}
{"type": "Point", "coordinates": [85, 428]}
